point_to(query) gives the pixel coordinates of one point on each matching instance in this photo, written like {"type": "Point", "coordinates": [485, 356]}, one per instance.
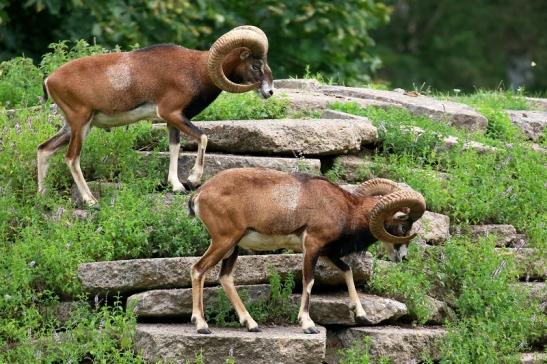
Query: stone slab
{"type": "Point", "coordinates": [178, 302]}
{"type": "Point", "coordinates": [334, 309]}
{"type": "Point", "coordinates": [530, 263]}
{"type": "Point", "coordinates": [178, 343]}
{"type": "Point", "coordinates": [402, 345]}
{"type": "Point", "coordinates": [286, 137]}
{"type": "Point", "coordinates": [136, 275]}
{"type": "Point", "coordinates": [533, 358]}
{"type": "Point", "coordinates": [458, 115]}
{"type": "Point", "coordinates": [433, 228]}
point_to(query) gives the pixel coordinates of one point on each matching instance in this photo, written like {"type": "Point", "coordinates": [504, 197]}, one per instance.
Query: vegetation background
{"type": "Point", "coordinates": [446, 44]}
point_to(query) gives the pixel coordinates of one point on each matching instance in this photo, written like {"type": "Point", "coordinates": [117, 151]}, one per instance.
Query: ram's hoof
{"type": "Point", "coordinates": [255, 329]}
{"type": "Point", "coordinates": [204, 331]}
{"type": "Point", "coordinates": [191, 186]}
{"type": "Point", "coordinates": [363, 320]}
{"type": "Point", "coordinates": [311, 330]}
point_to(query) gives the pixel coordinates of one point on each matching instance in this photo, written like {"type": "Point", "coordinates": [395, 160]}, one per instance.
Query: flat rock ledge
{"type": "Point", "coordinates": [178, 343]}
{"type": "Point", "coordinates": [504, 234]}
{"type": "Point", "coordinates": [533, 358]}
{"type": "Point", "coordinates": [178, 302]}
{"type": "Point", "coordinates": [215, 163]}
{"type": "Point", "coordinates": [401, 345]}
{"type": "Point", "coordinates": [286, 137]}
{"type": "Point", "coordinates": [136, 275]}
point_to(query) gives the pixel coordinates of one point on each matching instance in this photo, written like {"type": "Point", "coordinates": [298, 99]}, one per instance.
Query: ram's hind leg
{"type": "Point", "coordinates": [80, 125]}
{"type": "Point", "coordinates": [227, 280]}
{"type": "Point", "coordinates": [46, 150]}
{"type": "Point", "coordinates": [217, 250]}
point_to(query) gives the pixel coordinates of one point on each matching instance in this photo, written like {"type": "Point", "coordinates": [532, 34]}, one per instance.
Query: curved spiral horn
{"type": "Point", "coordinates": [377, 187]}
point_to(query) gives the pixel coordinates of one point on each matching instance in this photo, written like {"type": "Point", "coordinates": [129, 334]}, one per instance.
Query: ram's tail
{"type": "Point", "coordinates": [191, 210]}
{"type": "Point", "coordinates": [44, 88]}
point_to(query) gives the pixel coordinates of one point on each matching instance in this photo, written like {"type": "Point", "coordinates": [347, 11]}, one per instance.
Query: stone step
{"type": "Point", "coordinates": [215, 163]}
{"type": "Point", "coordinates": [286, 137]}
{"type": "Point", "coordinates": [178, 343]}
{"type": "Point", "coordinates": [537, 103]}
{"type": "Point", "coordinates": [537, 291]}
{"type": "Point", "coordinates": [456, 114]}
{"type": "Point", "coordinates": [532, 123]}
{"type": "Point", "coordinates": [177, 303]}
{"type": "Point", "coordinates": [135, 275]}
{"type": "Point", "coordinates": [402, 345]}
{"type": "Point", "coordinates": [334, 309]}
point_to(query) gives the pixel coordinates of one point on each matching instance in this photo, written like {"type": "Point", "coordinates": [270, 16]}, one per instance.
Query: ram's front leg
{"type": "Point", "coordinates": [176, 119]}
{"type": "Point", "coordinates": [174, 148]}
{"type": "Point", "coordinates": [355, 302]}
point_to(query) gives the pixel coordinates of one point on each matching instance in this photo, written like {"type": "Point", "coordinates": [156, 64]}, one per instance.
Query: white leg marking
{"type": "Point", "coordinates": [354, 297]}
{"type": "Point", "coordinates": [245, 319]}
{"type": "Point", "coordinates": [197, 170]}
{"type": "Point", "coordinates": [304, 315]}
{"type": "Point", "coordinates": [43, 164]}
{"type": "Point", "coordinates": [77, 175]}
{"type": "Point", "coordinates": [173, 177]}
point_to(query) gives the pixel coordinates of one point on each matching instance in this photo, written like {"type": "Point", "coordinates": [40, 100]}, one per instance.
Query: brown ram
{"type": "Point", "coordinates": [165, 81]}
{"type": "Point", "coordinates": [262, 209]}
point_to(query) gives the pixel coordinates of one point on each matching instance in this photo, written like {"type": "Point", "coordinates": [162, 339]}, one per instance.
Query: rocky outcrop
{"type": "Point", "coordinates": [532, 123]}
{"type": "Point", "coordinates": [177, 343]}
{"type": "Point", "coordinates": [126, 276]}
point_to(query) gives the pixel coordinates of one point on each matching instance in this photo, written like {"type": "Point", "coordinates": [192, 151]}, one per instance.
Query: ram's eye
{"type": "Point", "coordinates": [256, 67]}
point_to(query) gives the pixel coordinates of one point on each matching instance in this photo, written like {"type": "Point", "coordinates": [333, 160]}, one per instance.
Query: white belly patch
{"type": "Point", "coordinates": [146, 111]}
{"type": "Point", "coordinates": [261, 242]}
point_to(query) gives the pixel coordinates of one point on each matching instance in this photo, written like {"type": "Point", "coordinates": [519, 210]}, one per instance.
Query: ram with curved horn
{"type": "Point", "coordinates": [264, 210]}
{"type": "Point", "coordinates": [165, 81]}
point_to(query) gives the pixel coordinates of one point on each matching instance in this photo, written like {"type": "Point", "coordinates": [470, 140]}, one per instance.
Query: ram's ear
{"type": "Point", "coordinates": [245, 54]}
{"type": "Point", "coordinates": [400, 216]}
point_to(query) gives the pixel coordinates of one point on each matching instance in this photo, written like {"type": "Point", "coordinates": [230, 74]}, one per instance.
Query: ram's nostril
{"type": "Point", "coordinates": [270, 92]}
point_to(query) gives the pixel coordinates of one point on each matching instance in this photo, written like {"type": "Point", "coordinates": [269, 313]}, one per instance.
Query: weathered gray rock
{"type": "Point", "coordinates": [532, 123]}
{"type": "Point", "coordinates": [433, 228]}
{"type": "Point", "coordinates": [215, 163]}
{"type": "Point", "coordinates": [309, 137]}
{"type": "Point", "coordinates": [178, 302]}
{"type": "Point", "coordinates": [533, 358]}
{"type": "Point", "coordinates": [136, 275]}
{"type": "Point", "coordinates": [439, 311]}
{"type": "Point", "coordinates": [177, 343]}
{"type": "Point", "coordinates": [504, 234]}
{"type": "Point", "coordinates": [401, 345]}
{"type": "Point", "coordinates": [458, 115]}
{"type": "Point", "coordinates": [334, 309]}
{"type": "Point", "coordinates": [297, 83]}
{"type": "Point", "coordinates": [335, 114]}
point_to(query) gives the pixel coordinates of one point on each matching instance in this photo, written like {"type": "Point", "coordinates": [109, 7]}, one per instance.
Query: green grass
{"type": "Point", "coordinates": [245, 107]}
{"type": "Point", "coordinates": [277, 308]}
